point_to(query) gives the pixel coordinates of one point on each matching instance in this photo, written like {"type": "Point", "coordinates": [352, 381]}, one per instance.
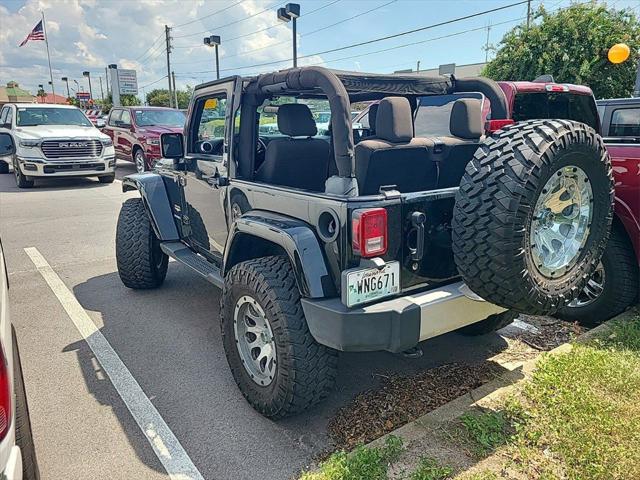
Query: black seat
{"type": "Point", "coordinates": [297, 160]}
{"type": "Point", "coordinates": [455, 152]}
{"type": "Point", "coordinates": [394, 156]}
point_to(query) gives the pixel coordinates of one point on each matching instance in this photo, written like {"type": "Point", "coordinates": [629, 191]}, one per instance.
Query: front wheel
{"type": "Point", "coordinates": [140, 160]}
{"type": "Point", "coordinates": [107, 178]}
{"type": "Point", "coordinates": [4, 167]}
{"type": "Point", "coordinates": [278, 366]}
{"type": "Point", "coordinates": [22, 181]}
{"type": "Point", "coordinates": [141, 262]}
{"type": "Point", "coordinates": [612, 288]}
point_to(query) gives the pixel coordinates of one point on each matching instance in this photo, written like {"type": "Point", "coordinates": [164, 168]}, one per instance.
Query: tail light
{"type": "Point", "coordinates": [495, 125]}
{"type": "Point", "coordinates": [5, 396]}
{"type": "Point", "coordinates": [556, 88]}
{"type": "Point", "coordinates": [369, 232]}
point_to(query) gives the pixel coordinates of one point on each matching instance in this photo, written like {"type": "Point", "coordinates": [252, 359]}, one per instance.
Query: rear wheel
{"type": "Point", "coordinates": [141, 262]}
{"type": "Point", "coordinates": [4, 167]}
{"type": "Point", "coordinates": [612, 288]}
{"type": "Point", "coordinates": [278, 366]}
{"type": "Point", "coordinates": [24, 435]}
{"type": "Point", "coordinates": [533, 214]}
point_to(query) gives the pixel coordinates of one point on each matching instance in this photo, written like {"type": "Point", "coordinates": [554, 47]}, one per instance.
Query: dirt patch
{"type": "Point", "coordinates": [543, 333]}
{"type": "Point", "coordinates": [402, 399]}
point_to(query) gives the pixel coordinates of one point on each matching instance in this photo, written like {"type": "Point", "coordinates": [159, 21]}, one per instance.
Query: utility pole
{"type": "Point", "coordinates": [528, 14]}
{"type": "Point", "coordinates": [175, 90]}
{"type": "Point", "coordinates": [418, 67]}
{"type": "Point", "coordinates": [106, 76]}
{"type": "Point", "coordinates": [486, 47]}
{"type": "Point", "coordinates": [167, 34]}
{"type": "Point", "coordinates": [101, 91]}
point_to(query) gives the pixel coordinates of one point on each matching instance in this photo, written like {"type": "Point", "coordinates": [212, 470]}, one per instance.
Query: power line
{"type": "Point", "coordinates": [219, 27]}
{"type": "Point", "coordinates": [209, 15]}
{"type": "Point", "coordinates": [150, 47]}
{"type": "Point", "coordinates": [380, 39]}
{"type": "Point", "coordinates": [154, 82]}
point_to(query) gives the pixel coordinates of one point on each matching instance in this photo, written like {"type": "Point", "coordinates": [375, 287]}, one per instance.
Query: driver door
{"type": "Point", "coordinates": [208, 149]}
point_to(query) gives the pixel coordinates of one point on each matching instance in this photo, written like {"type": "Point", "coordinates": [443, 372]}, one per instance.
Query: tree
{"type": "Point", "coordinates": [125, 100]}
{"type": "Point", "coordinates": [159, 97]}
{"type": "Point", "coordinates": [572, 44]}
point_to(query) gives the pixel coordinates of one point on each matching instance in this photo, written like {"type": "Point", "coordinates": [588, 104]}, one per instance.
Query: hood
{"type": "Point", "coordinates": [159, 129]}
{"type": "Point", "coordinates": [44, 132]}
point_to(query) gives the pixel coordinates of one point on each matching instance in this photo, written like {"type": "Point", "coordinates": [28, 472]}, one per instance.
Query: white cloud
{"type": "Point", "coordinates": [90, 34]}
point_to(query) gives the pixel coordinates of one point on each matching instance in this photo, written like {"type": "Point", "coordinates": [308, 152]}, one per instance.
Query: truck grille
{"type": "Point", "coordinates": [72, 148]}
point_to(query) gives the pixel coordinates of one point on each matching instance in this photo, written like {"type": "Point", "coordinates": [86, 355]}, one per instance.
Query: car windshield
{"type": "Point", "coordinates": [32, 116]}
{"type": "Point", "coordinates": [563, 105]}
{"type": "Point", "coordinates": [165, 118]}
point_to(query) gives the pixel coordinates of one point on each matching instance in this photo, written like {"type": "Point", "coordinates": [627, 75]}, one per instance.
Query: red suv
{"type": "Point", "coordinates": [616, 283]}
{"type": "Point", "coordinates": [136, 131]}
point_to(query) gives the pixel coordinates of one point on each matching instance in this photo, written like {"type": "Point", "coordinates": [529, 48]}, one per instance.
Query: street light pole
{"type": "Point", "coordinates": [88, 75]}
{"type": "Point", "coordinates": [214, 41]}
{"type": "Point", "coordinates": [289, 13]}
{"type": "Point", "coordinates": [66, 80]}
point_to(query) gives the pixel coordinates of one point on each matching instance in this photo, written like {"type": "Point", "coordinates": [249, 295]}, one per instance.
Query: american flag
{"type": "Point", "coordinates": [36, 34]}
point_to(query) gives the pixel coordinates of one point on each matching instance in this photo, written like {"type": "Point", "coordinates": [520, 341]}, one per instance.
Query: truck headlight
{"type": "Point", "coordinates": [106, 142]}
{"type": "Point", "coordinates": [153, 141]}
{"type": "Point", "coordinates": [29, 143]}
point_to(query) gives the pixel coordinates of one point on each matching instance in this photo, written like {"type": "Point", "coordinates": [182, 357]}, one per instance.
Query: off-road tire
{"type": "Point", "coordinates": [24, 435]}
{"type": "Point", "coordinates": [490, 324]}
{"type": "Point", "coordinates": [621, 284]}
{"type": "Point", "coordinates": [107, 178]}
{"type": "Point", "coordinates": [494, 212]}
{"type": "Point", "coordinates": [305, 370]}
{"type": "Point", "coordinates": [21, 180]}
{"type": "Point", "coordinates": [4, 167]}
{"type": "Point", "coordinates": [141, 262]}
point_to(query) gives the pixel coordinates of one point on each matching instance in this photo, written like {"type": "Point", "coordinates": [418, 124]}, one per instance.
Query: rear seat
{"type": "Point", "coordinates": [452, 153]}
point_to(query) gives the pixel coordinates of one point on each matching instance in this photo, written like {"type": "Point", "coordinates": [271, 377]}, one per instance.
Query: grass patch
{"type": "Point", "coordinates": [577, 418]}
{"type": "Point", "coordinates": [486, 431]}
{"type": "Point", "coordinates": [430, 469]}
{"type": "Point", "coordinates": [364, 463]}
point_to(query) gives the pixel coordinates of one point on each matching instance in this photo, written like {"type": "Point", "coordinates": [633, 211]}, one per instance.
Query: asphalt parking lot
{"type": "Point", "coordinates": [169, 341]}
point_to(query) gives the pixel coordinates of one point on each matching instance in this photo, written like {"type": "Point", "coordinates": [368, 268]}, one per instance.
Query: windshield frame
{"type": "Point", "coordinates": [76, 111]}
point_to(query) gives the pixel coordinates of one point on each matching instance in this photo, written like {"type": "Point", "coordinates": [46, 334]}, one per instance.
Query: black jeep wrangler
{"type": "Point", "coordinates": [321, 245]}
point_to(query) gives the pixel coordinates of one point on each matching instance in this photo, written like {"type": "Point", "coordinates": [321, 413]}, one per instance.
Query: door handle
{"type": "Point", "coordinates": [417, 222]}
{"type": "Point", "coordinates": [218, 181]}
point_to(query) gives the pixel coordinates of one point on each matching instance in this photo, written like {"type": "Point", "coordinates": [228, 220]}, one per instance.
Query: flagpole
{"type": "Point", "coordinates": [46, 41]}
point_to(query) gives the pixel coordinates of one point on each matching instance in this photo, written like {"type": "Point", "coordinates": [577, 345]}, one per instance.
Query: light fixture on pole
{"type": "Point", "coordinates": [214, 41]}
{"type": "Point", "coordinates": [88, 75]}
{"type": "Point", "coordinates": [290, 12]}
{"type": "Point", "coordinates": [66, 80]}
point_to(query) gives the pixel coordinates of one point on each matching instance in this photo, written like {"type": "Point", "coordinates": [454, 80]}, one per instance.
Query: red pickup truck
{"type": "Point", "coordinates": [136, 131]}
{"type": "Point", "coordinates": [616, 284]}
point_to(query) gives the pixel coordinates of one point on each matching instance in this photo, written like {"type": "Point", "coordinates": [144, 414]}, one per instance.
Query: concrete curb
{"type": "Point", "coordinates": [421, 437]}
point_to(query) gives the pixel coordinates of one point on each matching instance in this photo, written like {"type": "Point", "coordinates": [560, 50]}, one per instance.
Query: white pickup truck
{"type": "Point", "coordinates": [54, 141]}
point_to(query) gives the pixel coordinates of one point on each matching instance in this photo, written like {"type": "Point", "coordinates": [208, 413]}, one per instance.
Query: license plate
{"type": "Point", "coordinates": [366, 285]}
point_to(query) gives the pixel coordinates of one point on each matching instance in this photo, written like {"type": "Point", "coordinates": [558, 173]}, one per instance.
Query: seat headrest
{"type": "Point", "coordinates": [296, 120]}
{"type": "Point", "coordinates": [394, 121]}
{"type": "Point", "coordinates": [466, 118]}
{"type": "Point", "coordinates": [372, 116]}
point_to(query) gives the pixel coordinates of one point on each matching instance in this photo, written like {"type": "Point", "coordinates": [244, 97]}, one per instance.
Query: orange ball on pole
{"type": "Point", "coordinates": [619, 53]}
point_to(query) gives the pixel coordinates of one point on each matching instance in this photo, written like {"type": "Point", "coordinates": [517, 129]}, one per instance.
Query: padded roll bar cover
{"type": "Point", "coordinates": [333, 88]}
{"type": "Point", "coordinates": [489, 88]}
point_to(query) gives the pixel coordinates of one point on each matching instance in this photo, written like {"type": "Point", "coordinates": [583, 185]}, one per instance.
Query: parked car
{"type": "Point", "coordinates": [54, 141]}
{"type": "Point", "coordinates": [320, 245]}
{"type": "Point", "coordinates": [135, 132]}
{"type": "Point", "coordinates": [17, 452]}
{"type": "Point", "coordinates": [540, 99]}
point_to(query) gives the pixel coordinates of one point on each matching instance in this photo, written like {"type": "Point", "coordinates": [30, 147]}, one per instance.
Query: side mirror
{"type": "Point", "coordinates": [172, 145]}
{"type": "Point", "coordinates": [7, 147]}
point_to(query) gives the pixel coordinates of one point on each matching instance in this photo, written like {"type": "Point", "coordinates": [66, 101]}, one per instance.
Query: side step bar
{"type": "Point", "coordinates": [184, 255]}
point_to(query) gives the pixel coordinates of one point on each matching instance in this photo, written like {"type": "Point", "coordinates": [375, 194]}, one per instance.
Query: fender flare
{"type": "Point", "coordinates": [156, 201]}
{"type": "Point", "coordinates": [298, 241]}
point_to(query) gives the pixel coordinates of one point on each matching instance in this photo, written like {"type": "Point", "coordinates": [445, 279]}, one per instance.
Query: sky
{"type": "Point", "coordinates": [88, 35]}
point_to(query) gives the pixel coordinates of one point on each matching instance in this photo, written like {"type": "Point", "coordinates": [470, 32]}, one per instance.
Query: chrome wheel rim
{"type": "Point", "coordinates": [592, 290]}
{"type": "Point", "coordinates": [254, 340]}
{"type": "Point", "coordinates": [561, 221]}
{"type": "Point", "coordinates": [139, 162]}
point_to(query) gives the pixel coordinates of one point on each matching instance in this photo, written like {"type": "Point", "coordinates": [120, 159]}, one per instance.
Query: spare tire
{"type": "Point", "coordinates": [533, 214]}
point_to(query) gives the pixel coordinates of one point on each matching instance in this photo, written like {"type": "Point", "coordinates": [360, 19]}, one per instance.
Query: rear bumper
{"type": "Point", "coordinates": [13, 468]}
{"type": "Point", "coordinates": [398, 324]}
{"type": "Point", "coordinates": [37, 167]}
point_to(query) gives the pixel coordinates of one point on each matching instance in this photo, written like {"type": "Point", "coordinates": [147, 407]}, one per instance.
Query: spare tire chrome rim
{"type": "Point", "coordinates": [254, 340]}
{"type": "Point", "coordinates": [592, 290]}
{"type": "Point", "coordinates": [561, 221]}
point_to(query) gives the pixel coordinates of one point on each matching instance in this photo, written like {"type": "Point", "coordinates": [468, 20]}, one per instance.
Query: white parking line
{"type": "Point", "coordinates": [166, 446]}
